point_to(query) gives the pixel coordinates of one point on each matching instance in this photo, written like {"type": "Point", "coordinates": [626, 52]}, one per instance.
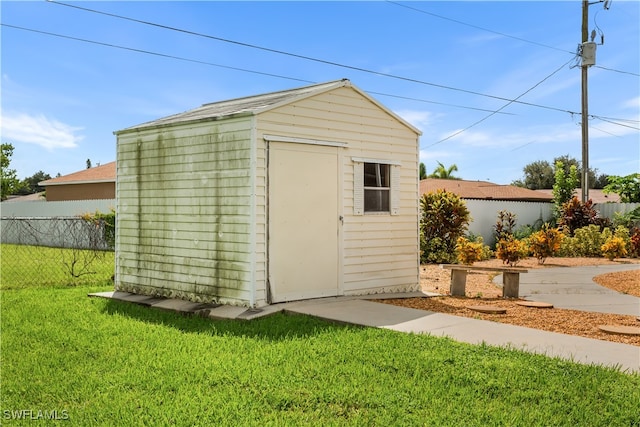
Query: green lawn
{"type": "Point", "coordinates": [101, 362]}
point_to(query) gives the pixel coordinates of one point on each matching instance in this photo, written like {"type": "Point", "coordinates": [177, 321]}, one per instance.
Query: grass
{"type": "Point", "coordinates": [104, 362]}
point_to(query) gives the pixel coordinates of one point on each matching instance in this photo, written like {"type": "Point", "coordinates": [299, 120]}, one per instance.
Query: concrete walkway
{"type": "Point", "coordinates": [573, 288]}
{"type": "Point", "coordinates": [564, 287]}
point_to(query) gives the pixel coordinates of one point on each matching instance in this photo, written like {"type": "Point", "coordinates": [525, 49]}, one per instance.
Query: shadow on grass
{"type": "Point", "coordinates": [275, 327]}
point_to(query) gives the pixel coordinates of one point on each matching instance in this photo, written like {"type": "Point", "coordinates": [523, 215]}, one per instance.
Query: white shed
{"type": "Point", "coordinates": [304, 193]}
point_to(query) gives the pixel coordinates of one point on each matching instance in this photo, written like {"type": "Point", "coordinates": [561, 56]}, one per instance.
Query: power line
{"type": "Point", "coordinates": [163, 55]}
{"type": "Point", "coordinates": [616, 71]}
{"type": "Point", "coordinates": [153, 53]}
{"type": "Point", "coordinates": [477, 27]}
{"type": "Point", "coordinates": [499, 33]}
{"type": "Point", "coordinates": [616, 123]}
{"type": "Point", "coordinates": [295, 55]}
{"type": "Point", "coordinates": [433, 102]}
{"type": "Point", "coordinates": [136, 50]}
{"type": "Point", "coordinates": [501, 108]}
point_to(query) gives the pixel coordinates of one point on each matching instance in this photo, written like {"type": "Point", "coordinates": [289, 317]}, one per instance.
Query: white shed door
{"type": "Point", "coordinates": [303, 221]}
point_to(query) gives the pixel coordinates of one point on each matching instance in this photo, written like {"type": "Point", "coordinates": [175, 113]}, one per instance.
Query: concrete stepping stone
{"type": "Point", "coordinates": [488, 309]}
{"type": "Point", "coordinates": [178, 305]}
{"type": "Point", "coordinates": [535, 304]}
{"type": "Point", "coordinates": [620, 330]}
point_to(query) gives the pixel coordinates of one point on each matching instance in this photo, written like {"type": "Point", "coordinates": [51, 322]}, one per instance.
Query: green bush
{"type": "Point", "coordinates": [443, 218]}
{"type": "Point", "coordinates": [586, 242]}
{"type": "Point", "coordinates": [629, 220]}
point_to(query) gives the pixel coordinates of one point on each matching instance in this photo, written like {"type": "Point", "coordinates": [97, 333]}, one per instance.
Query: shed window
{"type": "Point", "coordinates": [377, 187]}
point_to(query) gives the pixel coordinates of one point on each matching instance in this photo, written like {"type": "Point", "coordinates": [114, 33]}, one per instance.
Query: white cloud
{"type": "Point", "coordinates": [40, 130]}
{"type": "Point", "coordinates": [418, 118]}
{"type": "Point", "coordinates": [632, 103]}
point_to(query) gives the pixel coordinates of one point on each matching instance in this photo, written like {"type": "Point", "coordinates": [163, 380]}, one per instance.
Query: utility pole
{"type": "Point", "coordinates": [588, 58]}
{"type": "Point", "coordinates": [585, 104]}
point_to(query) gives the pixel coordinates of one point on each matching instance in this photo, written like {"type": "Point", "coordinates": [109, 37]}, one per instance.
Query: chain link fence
{"type": "Point", "coordinates": [39, 252]}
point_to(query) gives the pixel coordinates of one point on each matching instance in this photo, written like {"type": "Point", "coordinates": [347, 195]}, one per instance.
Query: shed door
{"type": "Point", "coordinates": [303, 221]}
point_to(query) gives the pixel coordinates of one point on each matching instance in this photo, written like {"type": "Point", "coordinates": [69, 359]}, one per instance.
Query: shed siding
{"type": "Point", "coordinates": [184, 211]}
{"type": "Point", "coordinates": [380, 253]}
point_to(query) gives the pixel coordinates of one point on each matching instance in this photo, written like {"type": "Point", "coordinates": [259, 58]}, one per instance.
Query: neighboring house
{"type": "Point", "coordinates": [483, 190]}
{"type": "Point", "coordinates": [35, 197]}
{"type": "Point", "coordinates": [303, 193]}
{"type": "Point", "coordinates": [596, 196]}
{"type": "Point", "coordinates": [95, 183]}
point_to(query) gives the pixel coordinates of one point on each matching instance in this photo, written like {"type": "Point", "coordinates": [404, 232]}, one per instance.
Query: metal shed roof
{"type": "Point", "coordinates": [254, 105]}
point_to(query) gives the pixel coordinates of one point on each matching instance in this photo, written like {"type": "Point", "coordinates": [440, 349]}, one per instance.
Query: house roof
{"type": "Point", "coordinates": [102, 173]}
{"type": "Point", "coordinates": [35, 197]}
{"type": "Point", "coordinates": [256, 104]}
{"type": "Point", "coordinates": [483, 190]}
{"type": "Point", "coordinates": [595, 195]}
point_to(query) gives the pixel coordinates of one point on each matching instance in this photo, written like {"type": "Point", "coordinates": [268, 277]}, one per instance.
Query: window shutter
{"type": "Point", "coordinates": [358, 188]}
{"type": "Point", "coordinates": [395, 190]}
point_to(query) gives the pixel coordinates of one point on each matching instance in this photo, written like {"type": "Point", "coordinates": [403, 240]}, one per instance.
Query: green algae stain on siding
{"type": "Point", "coordinates": [192, 215]}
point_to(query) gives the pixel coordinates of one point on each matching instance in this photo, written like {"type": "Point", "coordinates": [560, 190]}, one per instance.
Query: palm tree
{"type": "Point", "coordinates": [444, 173]}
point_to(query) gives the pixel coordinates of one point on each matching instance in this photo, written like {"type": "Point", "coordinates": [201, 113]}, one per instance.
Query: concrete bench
{"type": "Point", "coordinates": [510, 278]}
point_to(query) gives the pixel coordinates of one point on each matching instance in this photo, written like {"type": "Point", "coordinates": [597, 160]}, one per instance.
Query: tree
{"type": "Point", "coordinates": [423, 171]}
{"type": "Point", "coordinates": [10, 183]}
{"type": "Point", "coordinates": [601, 181]}
{"type": "Point", "coordinates": [564, 186]}
{"type": "Point", "coordinates": [627, 187]}
{"type": "Point", "coordinates": [444, 173]}
{"type": "Point", "coordinates": [537, 175]}
{"type": "Point", "coordinates": [541, 174]}
{"type": "Point", "coordinates": [569, 161]}
{"type": "Point", "coordinates": [31, 185]}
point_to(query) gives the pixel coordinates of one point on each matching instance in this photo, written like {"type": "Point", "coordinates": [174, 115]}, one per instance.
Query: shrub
{"type": "Point", "coordinates": [505, 225]}
{"type": "Point", "coordinates": [443, 218]}
{"type": "Point", "coordinates": [575, 215]}
{"type": "Point", "coordinates": [511, 251]}
{"type": "Point", "coordinates": [629, 220]}
{"type": "Point", "coordinates": [487, 253]}
{"type": "Point", "coordinates": [614, 247]}
{"type": "Point", "coordinates": [545, 243]}
{"type": "Point", "coordinates": [634, 242]}
{"type": "Point", "coordinates": [468, 252]}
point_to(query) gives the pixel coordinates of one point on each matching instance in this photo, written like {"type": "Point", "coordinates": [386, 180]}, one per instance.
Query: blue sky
{"type": "Point", "coordinates": [62, 99]}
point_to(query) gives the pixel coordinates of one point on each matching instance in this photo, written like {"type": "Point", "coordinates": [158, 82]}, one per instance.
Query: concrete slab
{"type": "Point", "coordinates": [359, 312]}
{"type": "Point", "coordinates": [178, 305]}
{"type": "Point", "coordinates": [226, 312]}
